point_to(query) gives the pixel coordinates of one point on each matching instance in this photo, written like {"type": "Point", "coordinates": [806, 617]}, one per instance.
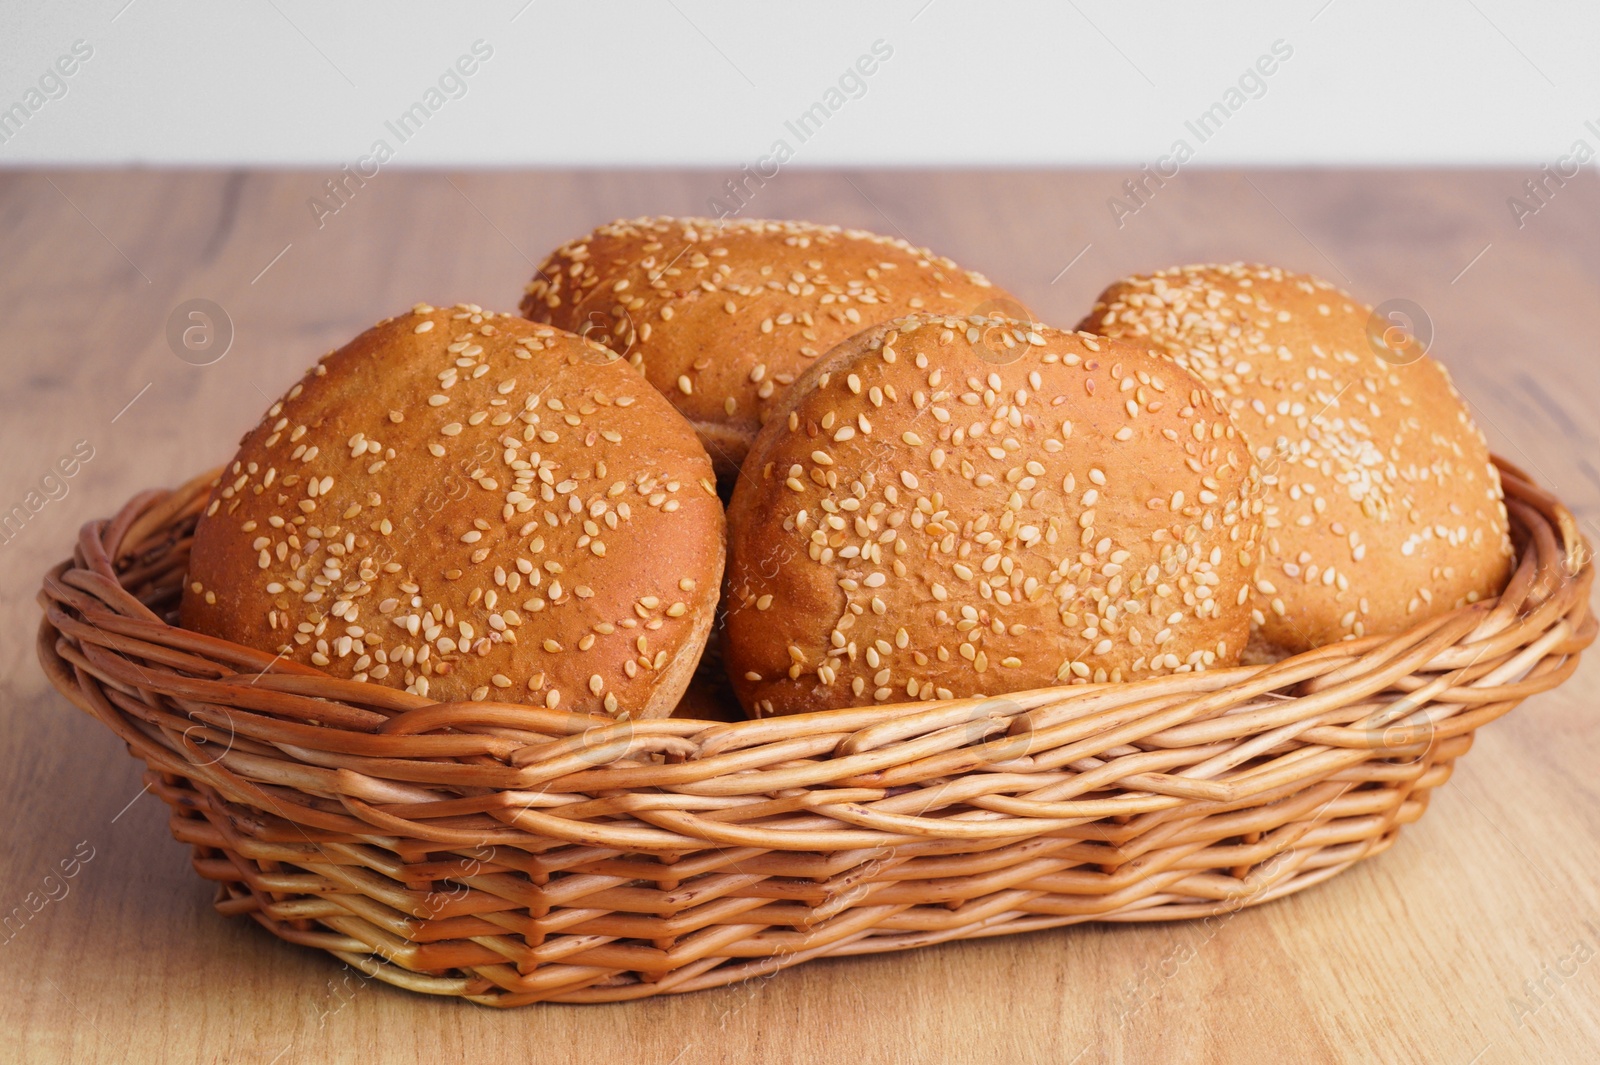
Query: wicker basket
{"type": "Point", "coordinates": [509, 854]}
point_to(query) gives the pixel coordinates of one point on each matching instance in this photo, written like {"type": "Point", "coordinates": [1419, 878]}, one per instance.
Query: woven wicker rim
{"type": "Point", "coordinates": [511, 854]}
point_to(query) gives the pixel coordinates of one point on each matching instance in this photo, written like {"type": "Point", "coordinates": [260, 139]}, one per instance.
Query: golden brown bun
{"type": "Point", "coordinates": [932, 514]}
{"type": "Point", "coordinates": [1382, 507]}
{"type": "Point", "coordinates": [723, 316]}
{"type": "Point", "coordinates": [467, 505]}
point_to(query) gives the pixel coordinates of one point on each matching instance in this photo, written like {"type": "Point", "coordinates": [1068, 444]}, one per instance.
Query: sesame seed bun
{"type": "Point", "coordinates": [723, 316]}
{"type": "Point", "coordinates": [949, 507]}
{"type": "Point", "coordinates": [468, 505]}
{"type": "Point", "coordinates": [1381, 505]}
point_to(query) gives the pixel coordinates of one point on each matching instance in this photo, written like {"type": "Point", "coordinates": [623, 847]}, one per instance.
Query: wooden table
{"type": "Point", "coordinates": [1474, 940]}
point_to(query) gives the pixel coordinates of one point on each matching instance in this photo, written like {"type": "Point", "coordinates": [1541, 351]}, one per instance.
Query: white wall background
{"type": "Point", "coordinates": [711, 82]}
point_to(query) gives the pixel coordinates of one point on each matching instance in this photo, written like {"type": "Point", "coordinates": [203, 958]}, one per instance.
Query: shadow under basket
{"type": "Point", "coordinates": [510, 854]}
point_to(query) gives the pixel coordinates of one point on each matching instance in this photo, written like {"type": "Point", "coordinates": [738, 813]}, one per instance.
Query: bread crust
{"type": "Point", "coordinates": [723, 315]}
{"type": "Point", "coordinates": [931, 515]}
{"type": "Point", "coordinates": [1382, 505]}
{"type": "Point", "coordinates": [469, 505]}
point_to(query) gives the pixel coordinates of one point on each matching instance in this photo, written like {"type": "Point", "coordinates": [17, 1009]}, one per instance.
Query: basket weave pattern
{"type": "Point", "coordinates": [510, 854]}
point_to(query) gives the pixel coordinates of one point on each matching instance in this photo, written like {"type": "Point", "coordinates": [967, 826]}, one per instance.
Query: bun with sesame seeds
{"type": "Point", "coordinates": [468, 505]}
{"type": "Point", "coordinates": [950, 507]}
{"type": "Point", "coordinates": [1382, 507]}
{"type": "Point", "coordinates": [723, 315]}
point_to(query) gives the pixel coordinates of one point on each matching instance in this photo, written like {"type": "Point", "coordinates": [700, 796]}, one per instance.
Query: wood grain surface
{"type": "Point", "coordinates": [1476, 939]}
